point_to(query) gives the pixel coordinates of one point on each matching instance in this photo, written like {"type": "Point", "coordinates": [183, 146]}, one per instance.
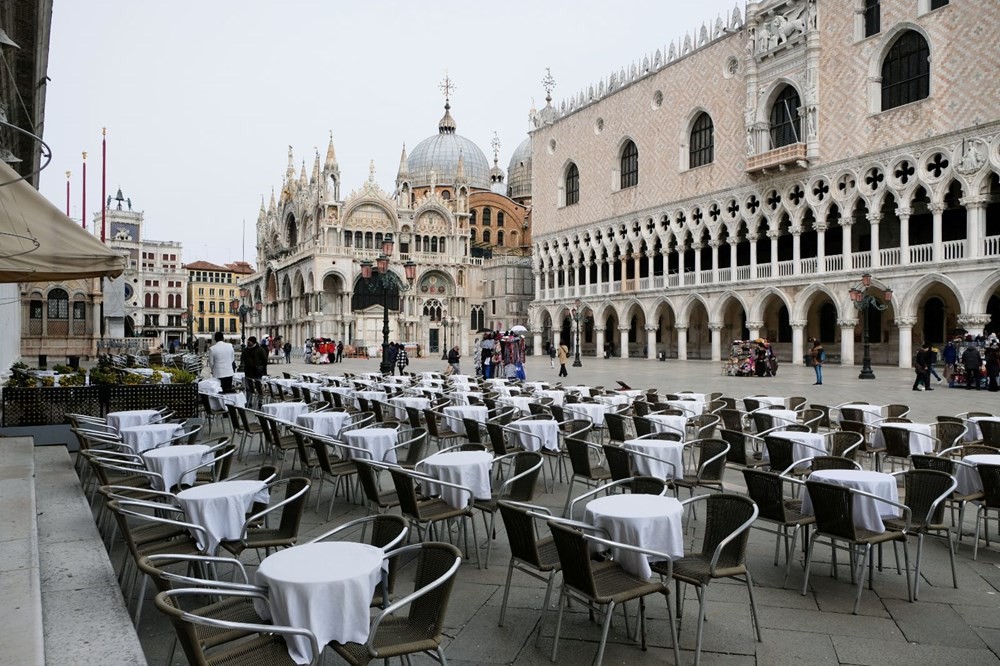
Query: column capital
{"type": "Point", "coordinates": [651, 328]}
{"type": "Point", "coordinates": [847, 323]}
{"type": "Point", "coordinates": [977, 320]}
{"type": "Point", "coordinates": [680, 327]}
{"type": "Point", "coordinates": [598, 329]}
{"type": "Point", "coordinates": [874, 218]}
{"type": "Point", "coordinates": [799, 323]}
{"type": "Point", "coordinates": [903, 211]}
{"type": "Point", "coordinates": [973, 202]}
{"type": "Point", "coordinates": [905, 322]}
{"type": "Point", "coordinates": [755, 324]}
{"type": "Point", "coordinates": [936, 208]}
{"type": "Point", "coordinates": [714, 326]}
{"type": "Point", "coordinates": [624, 329]}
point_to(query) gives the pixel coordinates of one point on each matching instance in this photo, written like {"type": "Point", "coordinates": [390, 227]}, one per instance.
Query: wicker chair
{"type": "Point", "coordinates": [711, 465]}
{"type": "Point", "coordinates": [990, 502]}
{"type": "Point", "coordinates": [990, 431]}
{"type": "Point", "coordinates": [949, 433]}
{"type": "Point", "coordinates": [796, 403]}
{"type": "Point", "coordinates": [423, 514]}
{"type": "Point", "coordinates": [642, 426]}
{"type": "Point", "coordinates": [825, 421]}
{"type": "Point", "coordinates": [703, 426]}
{"type": "Point", "coordinates": [782, 459]}
{"type": "Point", "coordinates": [820, 463]}
{"type": "Point", "coordinates": [844, 444]}
{"type": "Point", "coordinates": [529, 554]}
{"type": "Point", "coordinates": [767, 490]}
{"type": "Point", "coordinates": [732, 419]}
{"type": "Point", "coordinates": [743, 448]}
{"type": "Point", "coordinates": [268, 647]}
{"type": "Point", "coordinates": [211, 413]}
{"type": "Point", "coordinates": [927, 492]}
{"type": "Point", "coordinates": [604, 584]}
{"type": "Point", "coordinates": [834, 509]}
{"type": "Point", "coordinates": [896, 410]}
{"type": "Point", "coordinates": [722, 555]}
{"type": "Point", "coordinates": [256, 534]}
{"type": "Point", "coordinates": [949, 419]}
{"type": "Point", "coordinates": [617, 425]}
{"type": "Point", "coordinates": [520, 487]}
{"type": "Point", "coordinates": [439, 434]}
{"type": "Point", "coordinates": [420, 630]}
{"type": "Point", "coordinates": [897, 444]}
{"type": "Point", "coordinates": [584, 469]}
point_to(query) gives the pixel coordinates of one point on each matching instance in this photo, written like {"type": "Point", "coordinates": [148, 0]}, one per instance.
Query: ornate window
{"type": "Point", "coordinates": [629, 165]}
{"type": "Point", "coordinates": [35, 317]}
{"type": "Point", "coordinates": [906, 71]}
{"type": "Point", "coordinates": [478, 318]}
{"type": "Point", "coordinates": [873, 18]}
{"type": "Point", "coordinates": [702, 146]}
{"type": "Point", "coordinates": [79, 316]}
{"type": "Point", "coordinates": [432, 309]}
{"type": "Point", "coordinates": [499, 218]}
{"type": "Point", "coordinates": [58, 313]}
{"type": "Point", "coordinates": [786, 126]}
{"type": "Point", "coordinates": [572, 185]}
{"type": "Point", "coordinates": [487, 217]}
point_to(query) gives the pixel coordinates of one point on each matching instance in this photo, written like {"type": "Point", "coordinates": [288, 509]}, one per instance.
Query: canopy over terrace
{"type": "Point", "coordinates": [38, 242]}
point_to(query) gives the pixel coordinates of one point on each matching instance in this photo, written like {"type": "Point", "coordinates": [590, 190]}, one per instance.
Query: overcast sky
{"type": "Point", "coordinates": [202, 98]}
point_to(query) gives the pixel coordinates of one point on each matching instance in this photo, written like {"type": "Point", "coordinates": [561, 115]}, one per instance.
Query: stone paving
{"type": "Point", "coordinates": [945, 625]}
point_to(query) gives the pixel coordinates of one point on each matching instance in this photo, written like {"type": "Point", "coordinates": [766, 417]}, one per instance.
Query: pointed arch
{"type": "Point", "coordinates": [756, 311]}
{"type": "Point", "coordinates": [723, 300]}
{"type": "Point", "coordinates": [683, 311]}
{"type": "Point", "coordinates": [914, 294]}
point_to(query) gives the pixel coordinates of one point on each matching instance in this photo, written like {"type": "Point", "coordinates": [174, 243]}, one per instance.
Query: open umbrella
{"type": "Point", "coordinates": [518, 329]}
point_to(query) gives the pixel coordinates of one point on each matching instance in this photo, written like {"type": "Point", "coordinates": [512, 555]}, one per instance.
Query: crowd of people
{"type": "Point", "coordinates": [497, 354]}
{"type": "Point", "coordinates": [752, 358]}
{"type": "Point", "coordinates": [323, 350]}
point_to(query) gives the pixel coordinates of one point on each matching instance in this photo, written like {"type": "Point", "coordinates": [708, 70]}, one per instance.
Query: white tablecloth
{"type": "Point", "coordinates": [209, 386]}
{"type": "Point", "coordinates": [171, 462]}
{"type": "Point", "coordinates": [368, 395]}
{"type": "Point", "coordinates": [220, 400]}
{"type": "Point", "coordinates": [144, 437]}
{"type": "Point", "coordinates": [324, 423]}
{"type": "Point", "coordinates": [462, 397]}
{"type": "Point", "coordinates": [804, 444]}
{"type": "Point", "coordinates": [782, 417]}
{"type": "Point", "coordinates": [455, 413]}
{"type": "Point", "coordinates": [377, 441]}
{"type": "Point", "coordinates": [537, 386]}
{"type": "Point", "coordinates": [871, 413]}
{"type": "Point", "coordinates": [547, 429]}
{"type": "Point", "coordinates": [646, 521]}
{"type": "Point", "coordinates": [663, 450]}
{"type": "Point", "coordinates": [669, 423]}
{"type": "Point", "coordinates": [615, 399]}
{"type": "Point", "coordinates": [867, 511]}
{"type": "Point", "coordinates": [284, 383]}
{"type": "Point", "coordinates": [689, 407]}
{"type": "Point", "coordinates": [920, 436]}
{"type": "Point", "coordinates": [595, 411]}
{"type": "Point", "coordinates": [773, 400]}
{"type": "Point", "coordinates": [505, 391]}
{"type": "Point", "coordinates": [285, 411]}
{"type": "Point", "coordinates": [968, 477]}
{"type": "Point", "coordinates": [517, 401]}
{"type": "Point", "coordinates": [581, 389]}
{"type": "Point", "coordinates": [973, 423]}
{"type": "Point", "coordinates": [465, 468]}
{"type": "Point", "coordinates": [221, 508]}
{"type": "Point", "coordinates": [558, 397]}
{"type": "Point", "coordinates": [134, 417]}
{"type": "Point", "coordinates": [325, 587]}
{"type": "Point", "coordinates": [401, 404]}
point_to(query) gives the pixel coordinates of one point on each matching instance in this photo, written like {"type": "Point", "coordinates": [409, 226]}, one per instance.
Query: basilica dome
{"type": "Point", "coordinates": [519, 171]}
{"type": "Point", "coordinates": [440, 154]}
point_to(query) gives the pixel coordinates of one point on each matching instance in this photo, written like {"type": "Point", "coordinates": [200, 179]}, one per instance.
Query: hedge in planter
{"type": "Point", "coordinates": [48, 406]}
{"type": "Point", "coordinates": [182, 399]}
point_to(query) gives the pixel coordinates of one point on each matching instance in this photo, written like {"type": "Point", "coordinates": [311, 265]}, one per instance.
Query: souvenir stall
{"type": "Point", "coordinates": [750, 358]}
{"type": "Point", "coordinates": [958, 377]}
{"type": "Point", "coordinates": [511, 357]}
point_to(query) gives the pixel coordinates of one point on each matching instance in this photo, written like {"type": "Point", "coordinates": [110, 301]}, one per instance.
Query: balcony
{"type": "Point", "coordinates": [778, 159]}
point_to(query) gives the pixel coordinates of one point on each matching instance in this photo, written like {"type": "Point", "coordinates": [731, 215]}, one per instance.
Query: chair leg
{"type": "Point", "coordinates": [702, 601]}
{"type": "Point", "coordinates": [569, 498]}
{"type": "Point", "coordinates": [506, 592]}
{"type": "Point", "coordinates": [753, 607]}
{"type": "Point", "coordinates": [788, 556]}
{"type": "Point", "coordinates": [809, 554]}
{"type": "Point", "coordinates": [951, 556]}
{"type": "Point", "coordinates": [975, 545]}
{"type": "Point", "coordinates": [545, 606]}
{"type": "Point", "coordinates": [916, 569]}
{"type": "Point", "coordinates": [559, 617]}
{"type": "Point", "coordinates": [906, 565]}
{"type": "Point", "coordinates": [604, 632]}
{"type": "Point", "coordinates": [673, 626]}
{"type": "Point", "coordinates": [861, 576]}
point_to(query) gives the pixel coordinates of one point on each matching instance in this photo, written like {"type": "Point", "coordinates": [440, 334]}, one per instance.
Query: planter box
{"type": "Point", "coordinates": [49, 405]}
{"type": "Point", "coordinates": [181, 398]}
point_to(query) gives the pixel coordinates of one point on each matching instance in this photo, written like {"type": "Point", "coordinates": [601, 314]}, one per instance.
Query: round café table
{"type": "Point", "coordinates": [325, 587]}
{"type": "Point", "coordinates": [868, 512]}
{"type": "Point", "coordinates": [664, 451]}
{"type": "Point", "coordinates": [171, 463]}
{"type": "Point", "coordinates": [328, 424]}
{"type": "Point", "coordinates": [142, 438]}
{"type": "Point", "coordinates": [470, 469]}
{"type": "Point", "coordinates": [377, 441]}
{"type": "Point", "coordinates": [221, 508]}
{"type": "Point", "coordinates": [646, 521]}
{"type": "Point", "coordinates": [132, 417]}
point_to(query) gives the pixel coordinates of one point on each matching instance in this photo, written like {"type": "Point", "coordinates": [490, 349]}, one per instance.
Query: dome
{"type": "Point", "coordinates": [440, 153]}
{"type": "Point", "coordinates": [519, 171]}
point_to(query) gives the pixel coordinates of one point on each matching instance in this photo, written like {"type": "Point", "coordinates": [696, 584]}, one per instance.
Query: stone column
{"type": "Point", "coordinates": [905, 326]}
{"type": "Point", "coordinates": [716, 331]}
{"type": "Point", "coordinates": [697, 262]}
{"type": "Point", "coordinates": [754, 328]}
{"type": "Point", "coordinates": [975, 222]}
{"type": "Point", "coordinates": [586, 278]}
{"type": "Point", "coordinates": [599, 341]}
{"type": "Point", "coordinates": [714, 244]}
{"type": "Point", "coordinates": [752, 239]}
{"type": "Point", "coordinates": [820, 227]}
{"type": "Point", "coordinates": [556, 335]}
{"type": "Point", "coordinates": [636, 264]}
{"type": "Point", "coordinates": [682, 341]}
{"type": "Point", "coordinates": [937, 209]}
{"type": "Point", "coordinates": [651, 342]}
{"type": "Point", "coordinates": [797, 348]}
{"type": "Point", "coordinates": [536, 343]}
{"type": "Point", "coordinates": [650, 257]}
{"type": "Point", "coordinates": [623, 341]}
{"type": "Point", "coordinates": [732, 258]}
{"type": "Point", "coordinates": [796, 252]}
{"type": "Point", "coordinates": [874, 219]}
{"type": "Point", "coordinates": [845, 224]}
{"type": "Point", "coordinates": [904, 235]}
{"type": "Point", "coordinates": [773, 235]}
{"type": "Point", "coordinates": [847, 327]}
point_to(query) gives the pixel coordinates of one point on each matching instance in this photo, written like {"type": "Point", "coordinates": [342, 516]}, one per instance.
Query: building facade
{"type": "Point", "coordinates": [448, 214]}
{"type": "Point", "coordinates": [738, 183]}
{"type": "Point", "coordinates": [211, 291]}
{"type": "Point", "coordinates": [147, 302]}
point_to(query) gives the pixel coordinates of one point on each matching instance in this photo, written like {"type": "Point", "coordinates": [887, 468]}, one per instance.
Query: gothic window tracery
{"type": "Point", "coordinates": [786, 125]}
{"type": "Point", "coordinates": [629, 165]}
{"type": "Point", "coordinates": [702, 145]}
{"type": "Point", "coordinates": [906, 71]}
{"type": "Point", "coordinates": [572, 185]}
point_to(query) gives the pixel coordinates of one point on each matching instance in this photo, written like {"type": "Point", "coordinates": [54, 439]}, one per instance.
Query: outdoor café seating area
{"type": "Point", "coordinates": [322, 518]}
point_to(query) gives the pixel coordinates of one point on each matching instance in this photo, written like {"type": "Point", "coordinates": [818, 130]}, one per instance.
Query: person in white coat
{"type": "Point", "coordinates": [221, 359]}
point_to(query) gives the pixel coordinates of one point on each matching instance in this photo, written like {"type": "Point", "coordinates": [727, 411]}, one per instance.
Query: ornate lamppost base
{"type": "Point", "coordinates": [866, 373]}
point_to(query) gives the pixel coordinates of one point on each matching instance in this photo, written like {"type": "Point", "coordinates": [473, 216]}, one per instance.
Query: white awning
{"type": "Point", "coordinates": [38, 242]}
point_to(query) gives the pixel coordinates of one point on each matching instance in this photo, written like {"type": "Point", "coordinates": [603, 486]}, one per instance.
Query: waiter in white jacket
{"type": "Point", "coordinates": [221, 359]}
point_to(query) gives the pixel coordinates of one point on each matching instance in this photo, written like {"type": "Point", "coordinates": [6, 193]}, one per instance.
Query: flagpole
{"type": "Point", "coordinates": [68, 174]}
{"type": "Point", "coordinates": [83, 212]}
{"type": "Point", "coordinates": [104, 180]}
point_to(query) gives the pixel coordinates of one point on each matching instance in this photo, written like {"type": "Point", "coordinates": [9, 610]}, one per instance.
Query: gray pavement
{"type": "Point", "coordinates": [946, 624]}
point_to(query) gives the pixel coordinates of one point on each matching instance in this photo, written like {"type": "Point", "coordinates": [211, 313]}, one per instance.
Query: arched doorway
{"type": "Point", "coordinates": [935, 324]}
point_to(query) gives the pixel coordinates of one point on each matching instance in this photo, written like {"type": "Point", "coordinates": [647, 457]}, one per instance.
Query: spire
{"type": "Point", "coordinates": [315, 173]}
{"type": "Point", "coordinates": [331, 156]}
{"type": "Point", "coordinates": [447, 123]}
{"type": "Point", "coordinates": [290, 171]}
{"type": "Point", "coordinates": [460, 169]}
{"type": "Point", "coordinates": [262, 213]}
{"type": "Point", "coordinates": [404, 168]}
{"type": "Point", "coordinates": [303, 180]}
{"type": "Point", "coordinates": [496, 173]}
{"type": "Point", "coordinates": [270, 208]}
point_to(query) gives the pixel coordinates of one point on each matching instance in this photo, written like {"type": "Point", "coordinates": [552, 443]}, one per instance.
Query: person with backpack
{"type": "Point", "coordinates": [972, 360]}
{"type": "Point", "coordinates": [818, 357]}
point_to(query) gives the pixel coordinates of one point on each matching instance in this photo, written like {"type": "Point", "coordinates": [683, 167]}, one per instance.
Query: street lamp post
{"type": "Point", "coordinates": [187, 316]}
{"type": "Point", "coordinates": [864, 303]}
{"type": "Point", "coordinates": [242, 310]}
{"type": "Point", "coordinates": [385, 280]}
{"type": "Point", "coordinates": [444, 329]}
{"type": "Point", "coordinates": [576, 318]}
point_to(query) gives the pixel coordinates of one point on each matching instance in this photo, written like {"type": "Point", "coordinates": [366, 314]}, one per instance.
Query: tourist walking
{"type": "Point", "coordinates": [563, 357]}
{"type": "Point", "coordinates": [288, 352]}
{"type": "Point", "coordinates": [818, 357]}
{"type": "Point", "coordinates": [950, 357]}
{"type": "Point", "coordinates": [972, 360]}
{"type": "Point", "coordinates": [402, 359]}
{"type": "Point", "coordinates": [932, 358]}
{"type": "Point", "coordinates": [254, 366]}
{"type": "Point", "coordinates": [453, 357]}
{"type": "Point", "coordinates": [340, 351]}
{"type": "Point", "coordinates": [921, 368]}
{"type": "Point", "coordinates": [552, 356]}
